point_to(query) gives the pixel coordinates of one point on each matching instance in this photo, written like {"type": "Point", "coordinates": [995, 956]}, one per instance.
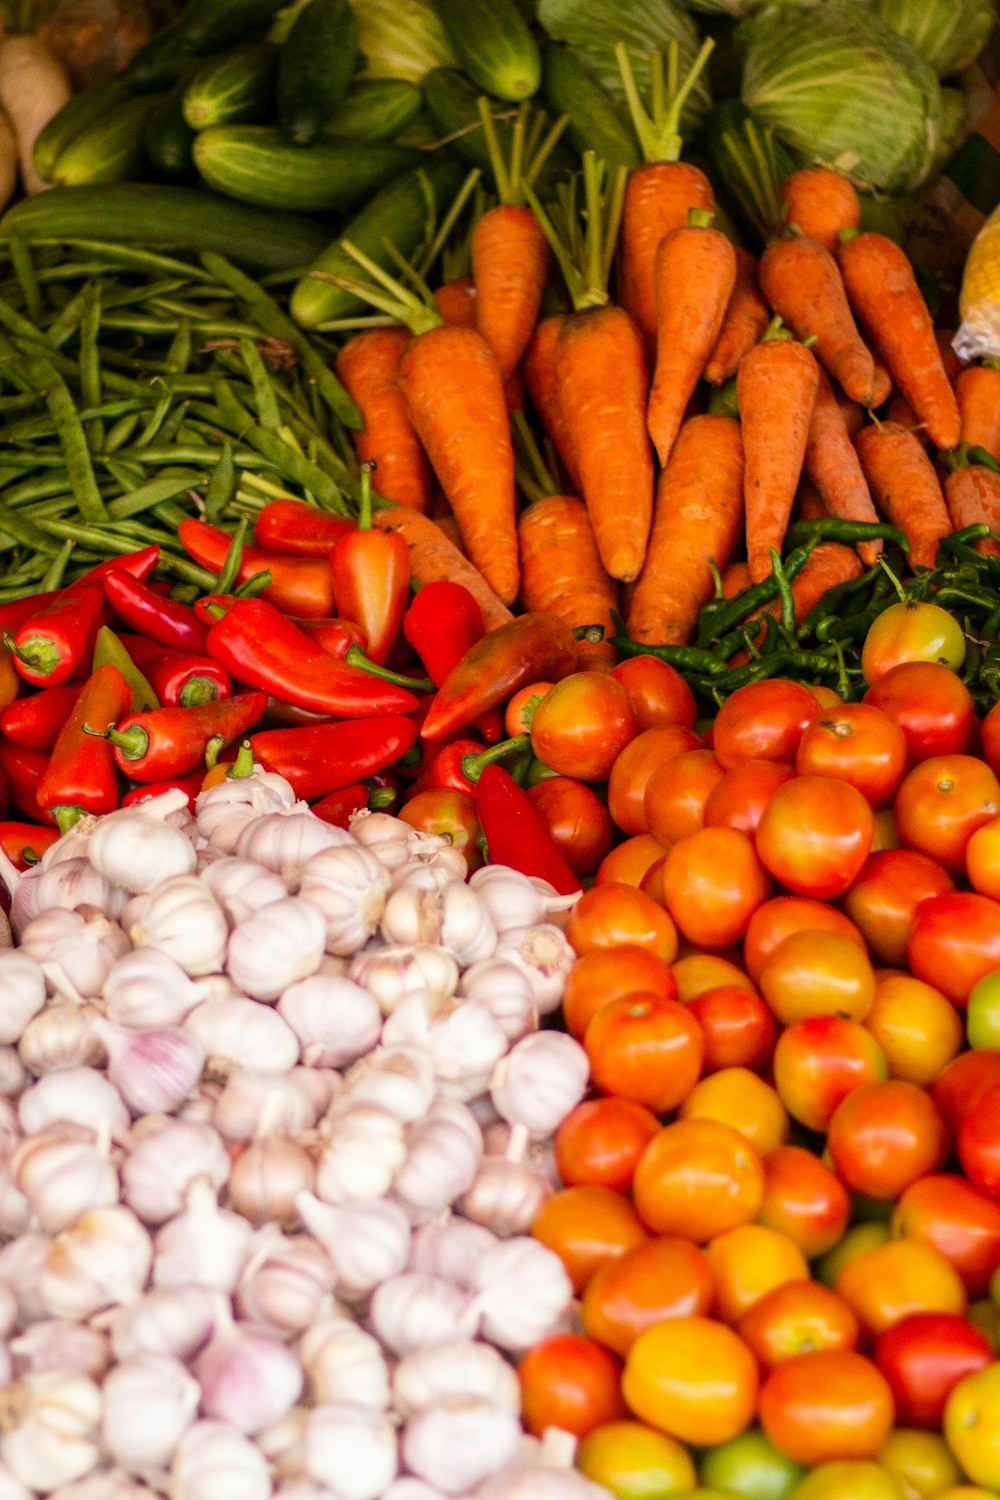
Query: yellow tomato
{"type": "Point", "coordinates": [918, 1029]}
{"type": "Point", "coordinates": [749, 1261]}
{"type": "Point", "coordinates": [635, 1462]}
{"type": "Point", "coordinates": [898, 1279]}
{"type": "Point", "coordinates": [972, 1425]}
{"type": "Point", "coordinates": [741, 1099]}
{"type": "Point", "coordinates": [842, 1480]}
{"type": "Point", "coordinates": [697, 972]}
{"type": "Point", "coordinates": [692, 1378]}
{"type": "Point", "coordinates": [921, 1461]}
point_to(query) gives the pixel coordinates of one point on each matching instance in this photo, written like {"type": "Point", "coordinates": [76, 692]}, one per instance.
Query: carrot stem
{"type": "Point", "coordinates": [584, 258]}
{"type": "Point", "coordinates": [658, 128]}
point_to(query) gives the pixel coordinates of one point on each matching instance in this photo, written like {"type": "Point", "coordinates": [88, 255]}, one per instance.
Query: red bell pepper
{"type": "Point", "coordinates": [371, 578]}
{"type": "Point", "coordinates": [262, 648]}
{"type": "Point", "coordinates": [298, 529]}
{"type": "Point", "coordinates": [35, 721]}
{"type": "Point", "coordinates": [81, 776]}
{"type": "Point", "coordinates": [516, 833]}
{"type": "Point", "coordinates": [335, 637]}
{"type": "Point", "coordinates": [340, 806]}
{"type": "Point", "coordinates": [168, 621]}
{"type": "Point", "coordinates": [51, 645]}
{"type": "Point", "coordinates": [324, 758]}
{"type": "Point", "coordinates": [168, 742]}
{"type": "Point", "coordinates": [299, 585]}
{"type": "Point", "coordinates": [22, 770]}
{"type": "Point", "coordinates": [178, 678]}
{"type": "Point", "coordinates": [190, 785]}
{"type": "Point", "coordinates": [25, 843]}
{"type": "Point", "coordinates": [532, 648]}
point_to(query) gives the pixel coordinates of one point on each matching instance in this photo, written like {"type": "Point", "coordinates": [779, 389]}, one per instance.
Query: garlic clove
{"type": "Point", "coordinates": [274, 947]}
{"type": "Point", "coordinates": [213, 1461]}
{"type": "Point", "coordinates": [351, 1448]}
{"type": "Point", "coordinates": [150, 1401]}
{"type": "Point", "coordinates": [458, 1441]}
{"type": "Point", "coordinates": [135, 849]}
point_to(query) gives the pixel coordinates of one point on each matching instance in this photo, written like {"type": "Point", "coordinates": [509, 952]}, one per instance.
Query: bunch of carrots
{"type": "Point", "coordinates": [643, 434]}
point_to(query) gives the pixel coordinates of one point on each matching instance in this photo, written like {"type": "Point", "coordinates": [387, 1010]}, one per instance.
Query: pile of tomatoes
{"type": "Point", "coordinates": [781, 1209]}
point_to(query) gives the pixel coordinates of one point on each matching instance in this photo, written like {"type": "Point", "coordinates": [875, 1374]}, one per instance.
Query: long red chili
{"type": "Point", "coordinates": [25, 843]}
{"type": "Point", "coordinates": [442, 622]}
{"type": "Point", "coordinates": [340, 806]}
{"type": "Point", "coordinates": [190, 785]}
{"type": "Point", "coordinates": [140, 564]}
{"type": "Point", "coordinates": [323, 758]}
{"type": "Point", "coordinates": [169, 742]}
{"type": "Point", "coordinates": [299, 585]}
{"type": "Point", "coordinates": [179, 678]}
{"type": "Point", "coordinates": [532, 648]}
{"type": "Point", "coordinates": [51, 645]}
{"type": "Point", "coordinates": [371, 578]}
{"type": "Point", "coordinates": [81, 776]}
{"type": "Point", "coordinates": [297, 529]}
{"type": "Point", "coordinates": [167, 621]}
{"type": "Point", "coordinates": [516, 833]}
{"type": "Point", "coordinates": [336, 637]}
{"type": "Point", "coordinates": [22, 770]}
{"type": "Point", "coordinates": [35, 721]}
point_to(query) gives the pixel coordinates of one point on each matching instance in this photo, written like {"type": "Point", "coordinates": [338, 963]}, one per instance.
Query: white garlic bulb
{"type": "Point", "coordinates": [348, 884]}
{"type": "Point", "coordinates": [76, 1096]}
{"type": "Point", "coordinates": [153, 1071]}
{"type": "Point", "coordinates": [410, 1310]}
{"type": "Point", "coordinates": [458, 1441]}
{"type": "Point", "coordinates": [22, 992]}
{"type": "Point", "coordinates": [285, 842]}
{"type": "Point", "coordinates": [344, 1363]}
{"type": "Point", "coordinates": [335, 1020]}
{"type": "Point", "coordinates": [166, 1158]}
{"type": "Point", "coordinates": [101, 1259]}
{"type": "Point", "coordinates": [366, 1242]}
{"type": "Point", "coordinates": [63, 1035]}
{"type": "Point", "coordinates": [248, 1092]}
{"type": "Point", "coordinates": [275, 946]}
{"type": "Point", "coordinates": [182, 919]}
{"type": "Point", "coordinates": [267, 1178]}
{"type": "Point", "coordinates": [462, 1039]}
{"type": "Point", "coordinates": [205, 1244]}
{"type": "Point", "coordinates": [285, 1282]}
{"type": "Point", "coordinates": [174, 1321]}
{"type": "Point", "coordinates": [61, 1344]}
{"type": "Point", "coordinates": [505, 1196]}
{"type": "Point", "coordinates": [544, 956]}
{"type": "Point", "coordinates": [248, 1377]}
{"type": "Point", "coordinates": [14, 1076]}
{"type": "Point", "coordinates": [213, 1461]}
{"type": "Point", "coordinates": [441, 1164]}
{"type": "Point", "coordinates": [523, 1292]}
{"type": "Point", "coordinates": [137, 850]}
{"type": "Point", "coordinates": [54, 1439]}
{"type": "Point", "coordinates": [76, 949]}
{"type": "Point", "coordinates": [147, 991]}
{"type": "Point", "coordinates": [399, 1079]}
{"type": "Point", "coordinates": [351, 1448]}
{"type": "Point", "coordinates": [467, 1367]}
{"type": "Point", "coordinates": [241, 886]}
{"type": "Point", "coordinates": [391, 973]}
{"type": "Point", "coordinates": [150, 1400]}
{"type": "Point", "coordinates": [75, 882]}
{"type": "Point", "coordinates": [450, 1247]}
{"type": "Point", "coordinates": [365, 1148]}
{"type": "Point", "coordinates": [62, 1175]}
{"type": "Point", "coordinates": [514, 900]}
{"type": "Point", "coordinates": [239, 1033]}
{"type": "Point", "coordinates": [543, 1077]}
{"type": "Point", "coordinates": [506, 992]}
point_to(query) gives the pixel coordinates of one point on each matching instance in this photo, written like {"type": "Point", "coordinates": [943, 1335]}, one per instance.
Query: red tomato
{"type": "Point", "coordinates": [712, 884]}
{"type": "Point", "coordinates": [738, 1028]}
{"type": "Point", "coordinates": [608, 915]}
{"type": "Point", "coordinates": [955, 941]}
{"type": "Point", "coordinates": [909, 631]}
{"type": "Point", "coordinates": [645, 1048]}
{"type": "Point", "coordinates": [739, 799]}
{"type": "Point", "coordinates": [582, 725]}
{"type": "Point", "coordinates": [578, 821]}
{"type": "Point", "coordinates": [795, 1318]}
{"type": "Point", "coordinates": [817, 1063]}
{"type": "Point", "coordinates": [606, 974]}
{"type": "Point", "coordinates": [698, 1178]}
{"type": "Point", "coordinates": [857, 743]}
{"type": "Point", "coordinates": [804, 1199]}
{"type": "Point", "coordinates": [979, 1143]}
{"type": "Point", "coordinates": [815, 835]}
{"type": "Point", "coordinates": [601, 1141]}
{"type": "Point", "coordinates": [628, 861]}
{"type": "Point", "coordinates": [587, 1227]}
{"type": "Point", "coordinates": [958, 1220]}
{"type": "Point", "coordinates": [568, 1381]}
{"type": "Point", "coordinates": [959, 1087]}
{"type": "Point", "coordinates": [932, 707]}
{"type": "Point", "coordinates": [941, 803]}
{"type": "Point", "coordinates": [884, 1136]}
{"type": "Point", "coordinates": [887, 892]}
{"type": "Point", "coordinates": [990, 738]}
{"type": "Point", "coordinates": [635, 765]}
{"type": "Point", "coordinates": [521, 708]}
{"type": "Point", "coordinates": [783, 915]}
{"type": "Point", "coordinates": [658, 691]}
{"type": "Point", "coordinates": [826, 1405]}
{"type": "Point", "coordinates": [674, 802]}
{"type": "Point", "coordinates": [762, 721]}
{"type": "Point", "coordinates": [923, 1356]}
{"type": "Point", "coordinates": [664, 1278]}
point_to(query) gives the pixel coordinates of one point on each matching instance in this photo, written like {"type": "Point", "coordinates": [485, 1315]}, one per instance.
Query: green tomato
{"type": "Point", "coordinates": [982, 1019]}
{"type": "Point", "coordinates": [751, 1466]}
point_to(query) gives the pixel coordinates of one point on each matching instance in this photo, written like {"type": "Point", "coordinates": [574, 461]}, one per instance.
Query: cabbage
{"type": "Point", "coordinates": [949, 34]}
{"type": "Point", "coordinates": [401, 39]}
{"type": "Point", "coordinates": [842, 89]}
{"type": "Point", "coordinates": [592, 27]}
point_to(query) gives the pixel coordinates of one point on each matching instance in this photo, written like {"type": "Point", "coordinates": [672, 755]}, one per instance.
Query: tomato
{"type": "Point", "coordinates": [912, 631]}
{"type": "Point", "coordinates": [698, 1178]}
{"type": "Point", "coordinates": [979, 1143]}
{"type": "Point", "coordinates": [783, 915]}
{"type": "Point", "coordinates": [737, 1097]}
{"type": "Point", "coordinates": [645, 1048]}
{"type": "Point", "coordinates": [628, 862]}
{"type": "Point", "coordinates": [923, 1356]}
{"type": "Point", "coordinates": [451, 814]}
{"type": "Point", "coordinates": [887, 892]}
{"type": "Point", "coordinates": [959, 1087]}
{"type": "Point", "coordinates": [921, 1461]}
{"type": "Point", "coordinates": [855, 1241]}
{"type": "Point", "coordinates": [857, 743]}
{"type": "Point", "coordinates": [795, 1317]}
{"type": "Point", "coordinates": [747, 1263]}
{"type": "Point", "coordinates": [917, 1028]}
{"type": "Point", "coordinates": [896, 1280]}
{"type": "Point", "coordinates": [712, 883]}
{"type": "Point", "coordinates": [972, 1425]}
{"type": "Point", "coordinates": [608, 973]}
{"type": "Point", "coordinates": [884, 1136]}
{"type": "Point", "coordinates": [955, 942]}
{"type": "Point", "coordinates": [675, 796]}
{"type": "Point", "coordinates": [587, 1227]}
{"type": "Point", "coordinates": [803, 1199]}
{"type": "Point", "coordinates": [989, 732]}
{"type": "Point", "coordinates": [932, 707]}
{"type": "Point", "coordinates": [582, 725]}
{"type": "Point", "coordinates": [601, 1140]}
{"type": "Point", "coordinates": [697, 972]}
{"type": "Point", "coordinates": [762, 721]}
{"type": "Point", "coordinates": [818, 1061]}
{"type": "Point", "coordinates": [651, 883]}
{"type": "Point", "coordinates": [658, 691]}
{"type": "Point", "coordinates": [577, 819]}
{"type": "Point", "coordinates": [849, 1481]}
{"type": "Point", "coordinates": [956, 1218]}
{"type": "Point", "coordinates": [815, 834]}
{"type": "Point", "coordinates": [739, 799]}
{"type": "Point", "coordinates": [942, 802]}
{"type": "Point", "coordinates": [818, 974]}
{"type": "Point", "coordinates": [750, 1467]}
{"type": "Point", "coordinates": [608, 915]}
{"type": "Point", "coordinates": [693, 1378]}
{"type": "Point", "coordinates": [738, 1028]}
{"type": "Point", "coordinates": [663, 1278]}
{"type": "Point", "coordinates": [831, 1403]}
{"type": "Point", "coordinates": [982, 858]}
{"type": "Point", "coordinates": [521, 707]}
{"type": "Point", "coordinates": [633, 1461]}
{"type": "Point", "coordinates": [570, 1382]}
{"type": "Point", "coordinates": [631, 772]}
{"type": "Point", "coordinates": [982, 1015]}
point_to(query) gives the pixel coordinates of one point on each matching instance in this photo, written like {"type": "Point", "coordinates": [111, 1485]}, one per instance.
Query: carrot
{"type": "Point", "coordinates": [883, 291]}
{"type": "Point", "coordinates": [776, 387]}
{"type": "Point", "coordinates": [746, 318]}
{"type": "Point", "coordinates": [978, 391]}
{"type": "Point", "coordinates": [367, 366]}
{"type": "Point", "coordinates": [882, 384]}
{"type": "Point", "coordinates": [972, 495]}
{"type": "Point", "coordinates": [695, 276]}
{"type": "Point", "coordinates": [953, 366]}
{"type": "Point", "coordinates": [698, 520]}
{"type": "Point", "coordinates": [852, 413]}
{"type": "Point", "coordinates": [828, 564]}
{"type": "Point", "coordinates": [562, 573]}
{"type": "Point", "coordinates": [831, 462]}
{"type": "Point", "coordinates": [539, 370]}
{"type": "Point", "coordinates": [801, 282]}
{"type": "Point", "coordinates": [433, 557]}
{"type": "Point", "coordinates": [809, 503]}
{"type": "Point", "coordinates": [905, 487]}
{"type": "Point", "coordinates": [451, 529]}
{"type": "Point", "coordinates": [735, 578]}
{"type": "Point", "coordinates": [820, 203]}
{"type": "Point", "coordinates": [456, 302]}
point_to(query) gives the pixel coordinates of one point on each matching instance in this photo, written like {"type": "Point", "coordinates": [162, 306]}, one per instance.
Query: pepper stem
{"type": "Point", "coordinates": [133, 742]}
{"type": "Point", "coordinates": [381, 796]}
{"type": "Point", "coordinates": [67, 815]}
{"type": "Point", "coordinates": [473, 766]}
{"type": "Point", "coordinates": [38, 653]}
{"type": "Point", "coordinates": [196, 691]}
{"type": "Point", "coordinates": [355, 657]}
{"type": "Point", "coordinates": [214, 748]}
{"type": "Point", "coordinates": [365, 501]}
{"type": "Point", "coordinates": [242, 766]}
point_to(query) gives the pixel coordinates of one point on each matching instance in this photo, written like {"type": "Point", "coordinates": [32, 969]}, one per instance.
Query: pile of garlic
{"type": "Point", "coordinates": [276, 1117]}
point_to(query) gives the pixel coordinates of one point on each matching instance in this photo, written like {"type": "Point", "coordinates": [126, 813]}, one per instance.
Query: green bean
{"type": "Point", "coordinates": [24, 270]}
{"type": "Point", "coordinates": [192, 454]}
{"type": "Point", "coordinates": [264, 399]}
{"type": "Point", "coordinates": [149, 495]}
{"type": "Point", "coordinates": [120, 433]}
{"type": "Point", "coordinates": [156, 421]}
{"type": "Point", "coordinates": [230, 571]}
{"type": "Point", "coordinates": [73, 440]}
{"type": "Point", "coordinates": [290, 463]}
{"type": "Point", "coordinates": [67, 320]}
{"type": "Point", "coordinates": [127, 473]}
{"type": "Point", "coordinates": [179, 353]}
{"type": "Point", "coordinates": [25, 530]}
{"type": "Point", "coordinates": [780, 662]}
{"type": "Point", "coordinates": [133, 259]}
{"type": "Point", "coordinates": [222, 484]}
{"type": "Point", "coordinates": [786, 619]}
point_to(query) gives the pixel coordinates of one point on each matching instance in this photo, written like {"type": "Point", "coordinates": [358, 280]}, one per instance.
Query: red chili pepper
{"type": "Point", "coordinates": [441, 624]}
{"type": "Point", "coordinates": [340, 806]}
{"type": "Point", "coordinates": [459, 764]}
{"type": "Point", "coordinates": [178, 678]}
{"type": "Point", "coordinates": [299, 585]}
{"type": "Point", "coordinates": [25, 843]}
{"type": "Point", "coordinates": [335, 637]}
{"type": "Point", "coordinates": [168, 742]}
{"type": "Point", "coordinates": [189, 784]}
{"type": "Point", "coordinates": [323, 758]}
{"type": "Point", "coordinates": [207, 609]}
{"type": "Point", "coordinates": [18, 610]}
{"type": "Point", "coordinates": [532, 648]}
{"type": "Point", "coordinates": [516, 833]}
{"type": "Point", "coordinates": [81, 775]}
{"type": "Point", "coordinates": [35, 721]}
{"type": "Point", "coordinates": [140, 564]}
{"type": "Point", "coordinates": [262, 648]}
{"type": "Point", "coordinates": [371, 578]}
{"type": "Point", "coordinates": [22, 770]}
{"type": "Point", "coordinates": [167, 621]}
{"type": "Point", "coordinates": [299, 530]}
{"type": "Point", "coordinates": [52, 644]}
{"type": "Point", "coordinates": [280, 715]}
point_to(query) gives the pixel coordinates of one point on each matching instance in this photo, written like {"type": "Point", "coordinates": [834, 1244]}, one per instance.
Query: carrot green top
{"type": "Point", "coordinates": [658, 127]}
{"type": "Point", "coordinates": [529, 150]}
{"type": "Point", "coordinates": [583, 239]}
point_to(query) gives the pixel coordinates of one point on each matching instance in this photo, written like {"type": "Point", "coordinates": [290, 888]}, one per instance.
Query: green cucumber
{"type": "Point", "coordinates": [207, 24]}
{"type": "Point", "coordinates": [317, 61]}
{"type": "Point", "coordinates": [375, 109]}
{"type": "Point", "coordinates": [595, 122]}
{"type": "Point", "coordinates": [452, 103]}
{"type": "Point", "coordinates": [148, 214]}
{"type": "Point", "coordinates": [168, 138]}
{"type": "Point", "coordinates": [109, 149]}
{"type": "Point", "coordinates": [76, 115]}
{"type": "Point", "coordinates": [236, 88]}
{"type": "Point", "coordinates": [159, 64]}
{"type": "Point", "coordinates": [255, 164]}
{"type": "Point", "coordinates": [494, 44]}
{"type": "Point", "coordinates": [405, 212]}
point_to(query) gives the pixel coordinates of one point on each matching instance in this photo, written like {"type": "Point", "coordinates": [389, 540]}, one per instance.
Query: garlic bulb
{"type": "Point", "coordinates": [514, 900]}
{"type": "Point", "coordinates": [61, 1036]}
{"type": "Point", "coordinates": [286, 841]}
{"type": "Point", "coordinates": [11, 1488]}
{"type": "Point", "coordinates": [147, 991]}
{"type": "Point", "coordinates": [149, 1402]}
{"type": "Point", "coordinates": [223, 810]}
{"type": "Point", "coordinates": [387, 837]}
{"type": "Point", "coordinates": [399, 1079]}
{"type": "Point", "coordinates": [394, 972]}
{"type": "Point", "coordinates": [458, 1441]}
{"type": "Point", "coordinates": [351, 1448]}
{"type": "Point", "coordinates": [285, 1282]}
{"type": "Point", "coordinates": [101, 1259]}
{"type": "Point", "coordinates": [541, 1079]}
{"type": "Point", "coordinates": [441, 1163]}
{"type": "Point", "coordinates": [15, 1210]}
{"type": "Point", "coordinates": [365, 1148]}
{"type": "Point", "coordinates": [167, 1156]}
{"type": "Point", "coordinates": [241, 886]}
{"type": "Point", "coordinates": [450, 1248]}
{"type": "Point", "coordinates": [544, 956]}
{"type": "Point", "coordinates": [22, 992]}
{"type": "Point", "coordinates": [238, 1109]}
{"type": "Point", "coordinates": [137, 850]}
{"type": "Point", "coordinates": [75, 882]}
{"type": "Point", "coordinates": [463, 1040]}
{"type": "Point", "coordinates": [59, 1344]}
{"type": "Point", "coordinates": [153, 1071]}
{"type": "Point", "coordinates": [21, 1263]}
{"type": "Point", "coordinates": [79, 1096]}
{"type": "Point", "coordinates": [213, 1461]}
{"type": "Point", "coordinates": [467, 1367]}
{"type": "Point", "coordinates": [248, 1377]}
{"type": "Point", "coordinates": [268, 1177]}
{"type": "Point", "coordinates": [104, 1486]}
{"type": "Point", "coordinates": [182, 919]}
{"type": "Point", "coordinates": [242, 1034]}
{"type": "Point", "coordinates": [276, 946]}
{"type": "Point", "coordinates": [283, 1444]}
{"type": "Point", "coordinates": [76, 949]}
{"type": "Point", "coordinates": [523, 1292]}
{"type": "Point", "coordinates": [453, 916]}
{"type": "Point", "coordinates": [507, 993]}
{"type": "Point", "coordinates": [410, 1310]}
{"type": "Point", "coordinates": [335, 1020]}
{"type": "Point", "coordinates": [175, 1321]}
{"type": "Point", "coordinates": [14, 1076]}
{"type": "Point", "coordinates": [411, 1488]}
{"type": "Point", "coordinates": [344, 1363]}
{"type": "Point", "coordinates": [505, 1196]}
{"type": "Point", "coordinates": [366, 1242]}
{"type": "Point", "coordinates": [514, 1143]}
{"type": "Point", "coordinates": [532, 1483]}
{"type": "Point", "coordinates": [348, 885]}
{"type": "Point", "coordinates": [62, 1175]}
{"type": "Point", "coordinates": [53, 1440]}
{"type": "Point", "coordinates": [205, 1244]}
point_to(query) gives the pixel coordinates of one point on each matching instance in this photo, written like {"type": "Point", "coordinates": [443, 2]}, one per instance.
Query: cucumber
{"type": "Point", "coordinates": [494, 44]}
{"type": "Point", "coordinates": [109, 149]}
{"type": "Point", "coordinates": [452, 105]}
{"type": "Point", "coordinates": [168, 138]}
{"type": "Point", "coordinates": [152, 214]}
{"type": "Point", "coordinates": [159, 64]}
{"type": "Point", "coordinates": [595, 122]}
{"type": "Point", "coordinates": [235, 88]}
{"type": "Point", "coordinates": [255, 164]}
{"type": "Point", "coordinates": [317, 61]}
{"type": "Point", "coordinates": [375, 109]}
{"type": "Point", "coordinates": [207, 24]}
{"type": "Point", "coordinates": [405, 212]}
{"type": "Point", "coordinates": [76, 115]}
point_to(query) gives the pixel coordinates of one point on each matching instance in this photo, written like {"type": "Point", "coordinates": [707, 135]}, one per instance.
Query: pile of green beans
{"type": "Point", "coordinates": [137, 389]}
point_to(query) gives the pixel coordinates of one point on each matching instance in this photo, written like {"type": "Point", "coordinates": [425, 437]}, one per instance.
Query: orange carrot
{"type": "Point", "coordinates": [820, 203]}
{"type": "Point", "coordinates": [953, 366]}
{"type": "Point", "coordinates": [972, 494]}
{"type": "Point", "coordinates": [978, 392]}
{"type": "Point", "coordinates": [539, 370]}
{"type": "Point", "coordinates": [809, 503]}
{"type": "Point", "coordinates": [433, 557]}
{"type": "Point", "coordinates": [456, 302]}
{"type": "Point", "coordinates": [451, 529]}
{"type": "Point", "coordinates": [776, 387]}
{"type": "Point", "coordinates": [883, 291]}
{"type": "Point", "coordinates": [831, 462]}
{"type": "Point", "coordinates": [367, 366]}
{"type": "Point", "coordinates": [746, 318]}
{"type": "Point", "coordinates": [905, 487]}
{"type": "Point", "coordinates": [801, 282]}
{"type": "Point", "coordinates": [828, 564]}
{"type": "Point", "coordinates": [882, 384]}
{"type": "Point", "coordinates": [735, 578]}
{"type": "Point", "coordinates": [698, 520]}
{"type": "Point", "coordinates": [562, 573]}
{"type": "Point", "coordinates": [695, 276]}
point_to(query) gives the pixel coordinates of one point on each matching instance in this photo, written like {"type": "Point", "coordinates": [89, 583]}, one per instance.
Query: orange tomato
{"type": "Point", "coordinates": [712, 884]}
{"type": "Point", "coordinates": [666, 1277]}
{"type": "Point", "coordinates": [895, 1280]}
{"type": "Point", "coordinates": [857, 743]}
{"type": "Point", "coordinates": [628, 862]}
{"type": "Point", "coordinates": [606, 974]}
{"type": "Point", "coordinates": [739, 1098]}
{"type": "Point", "coordinates": [749, 1262]}
{"type": "Point", "coordinates": [804, 1199]}
{"type": "Point", "coordinates": [692, 1378]}
{"type": "Point", "coordinates": [568, 1381]}
{"type": "Point", "coordinates": [885, 895]}
{"type": "Point", "coordinates": [601, 1141]}
{"type": "Point", "coordinates": [658, 691]}
{"type": "Point", "coordinates": [829, 1404]}
{"type": "Point", "coordinates": [651, 883]}
{"type": "Point", "coordinates": [521, 707]}
{"type": "Point", "coordinates": [697, 972]}
{"type": "Point", "coordinates": [818, 1061]}
{"type": "Point", "coordinates": [783, 915]}
{"type": "Point", "coordinates": [674, 801]}
{"type": "Point", "coordinates": [608, 915]}
{"type": "Point", "coordinates": [645, 1048]}
{"type": "Point", "coordinates": [818, 974]}
{"type": "Point", "coordinates": [884, 1136]}
{"type": "Point", "coordinates": [698, 1178]}
{"type": "Point", "coordinates": [738, 1028]}
{"type": "Point", "coordinates": [587, 1227]}
{"type": "Point", "coordinates": [582, 725]}
{"type": "Point", "coordinates": [797, 1317]}
{"type": "Point", "coordinates": [917, 1028]}
{"type": "Point", "coordinates": [942, 802]}
{"type": "Point", "coordinates": [739, 799]}
{"type": "Point", "coordinates": [815, 834]}
{"type": "Point", "coordinates": [634, 767]}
